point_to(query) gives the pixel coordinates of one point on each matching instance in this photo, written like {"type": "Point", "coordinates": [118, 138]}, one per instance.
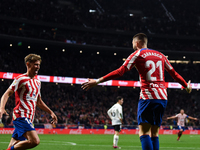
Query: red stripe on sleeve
{"type": "Point", "coordinates": [177, 77]}
{"type": "Point", "coordinates": [116, 73]}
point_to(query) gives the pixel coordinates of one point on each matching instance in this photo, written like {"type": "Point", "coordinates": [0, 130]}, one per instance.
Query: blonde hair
{"type": "Point", "coordinates": [32, 58]}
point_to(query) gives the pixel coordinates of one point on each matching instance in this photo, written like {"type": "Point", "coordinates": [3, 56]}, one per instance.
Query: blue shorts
{"type": "Point", "coordinates": [151, 111]}
{"type": "Point", "coordinates": [181, 127]}
{"type": "Point", "coordinates": [22, 125]}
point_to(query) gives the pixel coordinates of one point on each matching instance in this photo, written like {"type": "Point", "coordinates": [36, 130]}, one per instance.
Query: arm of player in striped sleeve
{"type": "Point", "coordinates": [177, 76]}
{"type": "Point", "coordinates": [128, 65]}
{"type": "Point", "coordinates": [112, 75]}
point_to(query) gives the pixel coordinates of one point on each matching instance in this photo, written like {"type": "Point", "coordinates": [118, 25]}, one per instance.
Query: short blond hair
{"type": "Point", "coordinates": [32, 58]}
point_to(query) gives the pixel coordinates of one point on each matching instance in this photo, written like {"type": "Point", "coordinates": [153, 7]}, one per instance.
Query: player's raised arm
{"type": "Point", "coordinates": [127, 66]}
{"type": "Point", "coordinates": [112, 75]}
{"type": "Point", "coordinates": [177, 76]}
{"type": "Point", "coordinates": [172, 117]}
{"type": "Point", "coordinates": [44, 107]}
{"type": "Point", "coordinates": [192, 118]}
{"type": "Point", "coordinates": [4, 100]}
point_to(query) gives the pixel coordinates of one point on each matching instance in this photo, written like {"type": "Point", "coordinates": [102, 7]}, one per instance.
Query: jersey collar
{"type": "Point", "coordinates": [143, 49]}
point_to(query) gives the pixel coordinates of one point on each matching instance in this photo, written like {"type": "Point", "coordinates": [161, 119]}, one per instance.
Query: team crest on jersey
{"type": "Point", "coordinates": [15, 82]}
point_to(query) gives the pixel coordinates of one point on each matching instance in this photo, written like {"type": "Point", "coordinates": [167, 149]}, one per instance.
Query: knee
{"type": "Point", "coordinates": [35, 142]}
{"type": "Point", "coordinates": [38, 141]}
{"type": "Point", "coordinates": [116, 133]}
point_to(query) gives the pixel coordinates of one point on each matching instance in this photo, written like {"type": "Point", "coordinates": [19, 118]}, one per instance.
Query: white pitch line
{"type": "Point", "coordinates": [195, 136]}
{"type": "Point", "coordinates": [139, 146]}
{"type": "Point", "coordinates": [75, 144]}
{"type": "Point", "coordinates": [62, 142]}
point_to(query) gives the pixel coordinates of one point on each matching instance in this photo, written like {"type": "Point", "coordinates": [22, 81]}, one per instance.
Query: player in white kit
{"type": "Point", "coordinates": [116, 115]}
{"type": "Point", "coordinates": [181, 121]}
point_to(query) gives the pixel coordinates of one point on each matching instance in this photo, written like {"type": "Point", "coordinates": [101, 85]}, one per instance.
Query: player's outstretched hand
{"type": "Point", "coordinates": [3, 111]}
{"type": "Point", "coordinates": [89, 84]}
{"type": "Point", "coordinates": [189, 87]}
{"type": "Point", "coordinates": [195, 119]}
{"type": "Point", "coordinates": [54, 118]}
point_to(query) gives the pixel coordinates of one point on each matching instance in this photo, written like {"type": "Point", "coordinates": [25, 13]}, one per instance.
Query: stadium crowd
{"type": "Point", "coordinates": [75, 106]}
{"type": "Point", "coordinates": [72, 63]}
{"type": "Point", "coordinates": [111, 15]}
{"type": "Point", "coordinates": [98, 22]}
{"type": "Point", "coordinates": [123, 17]}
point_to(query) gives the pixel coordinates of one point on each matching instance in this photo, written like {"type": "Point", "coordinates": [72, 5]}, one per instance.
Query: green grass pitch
{"type": "Point", "coordinates": [104, 142]}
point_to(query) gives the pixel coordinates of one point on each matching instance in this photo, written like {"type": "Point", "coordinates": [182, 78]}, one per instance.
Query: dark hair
{"type": "Point", "coordinates": [119, 98]}
{"type": "Point", "coordinates": [141, 37]}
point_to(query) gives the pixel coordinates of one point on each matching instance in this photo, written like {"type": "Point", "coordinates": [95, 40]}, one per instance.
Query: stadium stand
{"type": "Point", "coordinates": [74, 22]}
{"type": "Point", "coordinates": [77, 23]}
{"type": "Point", "coordinates": [75, 106]}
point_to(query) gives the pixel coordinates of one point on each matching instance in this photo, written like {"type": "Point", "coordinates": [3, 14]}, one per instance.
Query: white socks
{"type": "Point", "coordinates": [115, 140]}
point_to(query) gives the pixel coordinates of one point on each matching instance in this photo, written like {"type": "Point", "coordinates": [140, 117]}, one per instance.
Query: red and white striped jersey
{"type": "Point", "coordinates": [26, 91]}
{"type": "Point", "coordinates": [181, 119]}
{"type": "Point", "coordinates": [151, 65]}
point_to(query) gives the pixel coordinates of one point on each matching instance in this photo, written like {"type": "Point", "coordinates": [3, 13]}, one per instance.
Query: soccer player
{"type": "Point", "coordinates": [27, 97]}
{"type": "Point", "coordinates": [181, 121]}
{"type": "Point", "coordinates": [116, 115]}
{"type": "Point", "coordinates": [153, 96]}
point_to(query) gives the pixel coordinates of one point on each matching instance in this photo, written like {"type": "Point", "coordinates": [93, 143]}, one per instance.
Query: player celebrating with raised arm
{"type": "Point", "coordinates": [116, 115]}
{"type": "Point", "coordinates": [153, 96]}
{"type": "Point", "coordinates": [181, 121]}
{"type": "Point", "coordinates": [27, 97]}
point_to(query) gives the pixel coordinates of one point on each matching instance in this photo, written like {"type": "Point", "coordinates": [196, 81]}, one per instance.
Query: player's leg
{"type": "Point", "coordinates": [12, 142]}
{"type": "Point", "coordinates": [144, 132]}
{"type": "Point", "coordinates": [158, 108]}
{"type": "Point", "coordinates": [155, 137]}
{"type": "Point", "coordinates": [144, 117]}
{"type": "Point", "coordinates": [179, 133]}
{"type": "Point", "coordinates": [15, 139]}
{"type": "Point", "coordinates": [115, 139]}
{"type": "Point", "coordinates": [116, 136]}
{"type": "Point", "coordinates": [32, 141]}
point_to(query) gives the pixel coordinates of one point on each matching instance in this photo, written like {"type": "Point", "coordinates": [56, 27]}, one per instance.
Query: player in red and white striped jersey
{"type": "Point", "coordinates": [27, 97]}
{"type": "Point", "coordinates": [153, 96]}
{"type": "Point", "coordinates": [181, 121]}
